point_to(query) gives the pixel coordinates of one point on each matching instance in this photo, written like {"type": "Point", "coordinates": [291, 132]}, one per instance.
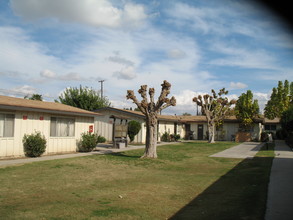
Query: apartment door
{"type": "Point", "coordinates": [200, 132]}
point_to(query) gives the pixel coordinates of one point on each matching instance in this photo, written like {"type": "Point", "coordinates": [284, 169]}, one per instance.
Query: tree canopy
{"type": "Point", "coordinates": [246, 109]}
{"type": "Point", "coordinates": [280, 100]}
{"type": "Point", "coordinates": [84, 98]}
{"type": "Point", "coordinates": [34, 97]}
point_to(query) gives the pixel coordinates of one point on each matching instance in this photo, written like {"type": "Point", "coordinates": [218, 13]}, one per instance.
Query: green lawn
{"type": "Point", "coordinates": [184, 183]}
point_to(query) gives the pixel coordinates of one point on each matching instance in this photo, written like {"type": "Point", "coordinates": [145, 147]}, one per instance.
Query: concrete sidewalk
{"type": "Point", "coordinates": [241, 151]}
{"type": "Point", "coordinates": [280, 192]}
{"type": "Point", "coordinates": [100, 149]}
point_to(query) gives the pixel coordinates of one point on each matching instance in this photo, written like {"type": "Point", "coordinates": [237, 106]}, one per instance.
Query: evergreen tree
{"type": "Point", "coordinates": [280, 100]}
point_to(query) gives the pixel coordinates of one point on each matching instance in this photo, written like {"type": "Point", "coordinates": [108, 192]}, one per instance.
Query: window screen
{"type": "Point", "coordinates": [6, 125]}
{"type": "Point", "coordinates": [62, 127]}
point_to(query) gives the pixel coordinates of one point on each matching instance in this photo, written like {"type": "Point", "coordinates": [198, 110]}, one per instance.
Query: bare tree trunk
{"type": "Point", "coordinates": [151, 138]}
{"type": "Point", "coordinates": [211, 127]}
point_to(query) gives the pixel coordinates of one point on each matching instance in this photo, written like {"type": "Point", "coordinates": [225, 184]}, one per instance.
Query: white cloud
{"type": "Point", "coordinates": [20, 54]}
{"type": "Point", "coordinates": [126, 73]}
{"type": "Point", "coordinates": [19, 91]}
{"type": "Point", "coordinates": [236, 55]}
{"type": "Point", "coordinates": [95, 13]}
{"type": "Point", "coordinates": [117, 58]}
{"type": "Point", "coordinates": [237, 85]}
{"type": "Point", "coordinates": [47, 74]}
{"type": "Point", "coordinates": [176, 54]}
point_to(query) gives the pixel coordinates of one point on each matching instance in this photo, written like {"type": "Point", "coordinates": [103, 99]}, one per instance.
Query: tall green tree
{"type": "Point", "coordinates": [246, 109]}
{"type": "Point", "coordinates": [287, 119]}
{"type": "Point", "coordinates": [280, 100]}
{"type": "Point", "coordinates": [34, 97]}
{"type": "Point", "coordinates": [84, 98]}
{"type": "Point", "coordinates": [215, 107]}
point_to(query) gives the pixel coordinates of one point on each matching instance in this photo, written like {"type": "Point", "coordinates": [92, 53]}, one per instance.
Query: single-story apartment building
{"type": "Point", "coordinates": [61, 125]}
{"type": "Point", "coordinates": [189, 127]}
{"type": "Point", "coordinates": [104, 124]}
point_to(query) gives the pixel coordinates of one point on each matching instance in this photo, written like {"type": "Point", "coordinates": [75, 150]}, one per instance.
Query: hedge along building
{"type": "Point", "coordinates": [166, 123]}
{"type": "Point", "coordinates": [61, 125]}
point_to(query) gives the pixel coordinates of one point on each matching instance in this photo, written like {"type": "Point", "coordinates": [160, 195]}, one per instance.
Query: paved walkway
{"type": "Point", "coordinates": [280, 193]}
{"type": "Point", "coordinates": [100, 149]}
{"type": "Point", "coordinates": [242, 151]}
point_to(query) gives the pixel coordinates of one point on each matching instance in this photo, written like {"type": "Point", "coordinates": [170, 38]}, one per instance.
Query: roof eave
{"type": "Point", "coordinates": [61, 112]}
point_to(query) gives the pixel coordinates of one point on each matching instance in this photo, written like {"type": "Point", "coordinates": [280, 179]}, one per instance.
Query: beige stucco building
{"type": "Point", "coordinates": [61, 125]}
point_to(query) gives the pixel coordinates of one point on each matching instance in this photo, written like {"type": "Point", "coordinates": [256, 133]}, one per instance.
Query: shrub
{"type": "Point", "coordinates": [101, 139]}
{"type": "Point", "coordinates": [34, 144]}
{"type": "Point", "coordinates": [166, 137]}
{"type": "Point", "coordinates": [88, 142]}
{"type": "Point", "coordinates": [174, 137]}
{"type": "Point", "coordinates": [133, 129]}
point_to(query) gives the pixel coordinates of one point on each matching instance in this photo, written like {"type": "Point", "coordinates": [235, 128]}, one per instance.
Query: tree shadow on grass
{"type": "Point", "coordinates": [239, 194]}
{"type": "Point", "coordinates": [123, 155]}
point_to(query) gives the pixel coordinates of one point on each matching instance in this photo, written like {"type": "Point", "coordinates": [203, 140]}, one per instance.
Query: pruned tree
{"type": "Point", "coordinates": [151, 109]}
{"type": "Point", "coordinates": [215, 107]}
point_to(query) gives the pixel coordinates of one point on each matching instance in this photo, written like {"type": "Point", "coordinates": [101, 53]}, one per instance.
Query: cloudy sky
{"type": "Point", "coordinates": [196, 45]}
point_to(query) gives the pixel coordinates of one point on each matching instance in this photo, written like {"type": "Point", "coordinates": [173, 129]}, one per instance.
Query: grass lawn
{"type": "Point", "coordinates": [184, 183]}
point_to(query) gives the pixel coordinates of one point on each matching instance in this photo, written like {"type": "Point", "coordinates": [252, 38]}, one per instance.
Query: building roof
{"type": "Point", "coordinates": [20, 104]}
{"type": "Point", "coordinates": [173, 118]}
{"type": "Point", "coordinates": [273, 121]}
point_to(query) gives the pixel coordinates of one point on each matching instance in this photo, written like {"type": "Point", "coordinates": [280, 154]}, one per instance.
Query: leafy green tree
{"type": "Point", "coordinates": [34, 97]}
{"type": "Point", "coordinates": [280, 100]}
{"type": "Point", "coordinates": [287, 119]}
{"type": "Point", "coordinates": [215, 107]}
{"type": "Point", "coordinates": [246, 109]}
{"type": "Point", "coordinates": [133, 129]}
{"type": "Point", "coordinates": [84, 98]}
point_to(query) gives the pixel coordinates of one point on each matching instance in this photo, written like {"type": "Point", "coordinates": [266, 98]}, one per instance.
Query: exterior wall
{"type": "Point", "coordinates": [194, 129]}
{"type": "Point", "coordinates": [228, 131]}
{"type": "Point", "coordinates": [166, 127]}
{"type": "Point", "coordinates": [13, 146]}
{"type": "Point", "coordinates": [104, 125]}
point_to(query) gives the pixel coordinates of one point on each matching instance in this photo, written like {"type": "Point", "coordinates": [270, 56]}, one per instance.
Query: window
{"type": "Point", "coordinates": [62, 127]}
{"type": "Point", "coordinates": [270, 127]}
{"type": "Point", "coordinates": [6, 125]}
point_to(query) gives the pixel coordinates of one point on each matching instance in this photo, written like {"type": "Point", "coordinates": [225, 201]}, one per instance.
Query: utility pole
{"type": "Point", "coordinates": [101, 81]}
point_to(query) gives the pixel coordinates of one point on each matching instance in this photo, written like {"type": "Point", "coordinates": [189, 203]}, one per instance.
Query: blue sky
{"type": "Point", "coordinates": [47, 46]}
